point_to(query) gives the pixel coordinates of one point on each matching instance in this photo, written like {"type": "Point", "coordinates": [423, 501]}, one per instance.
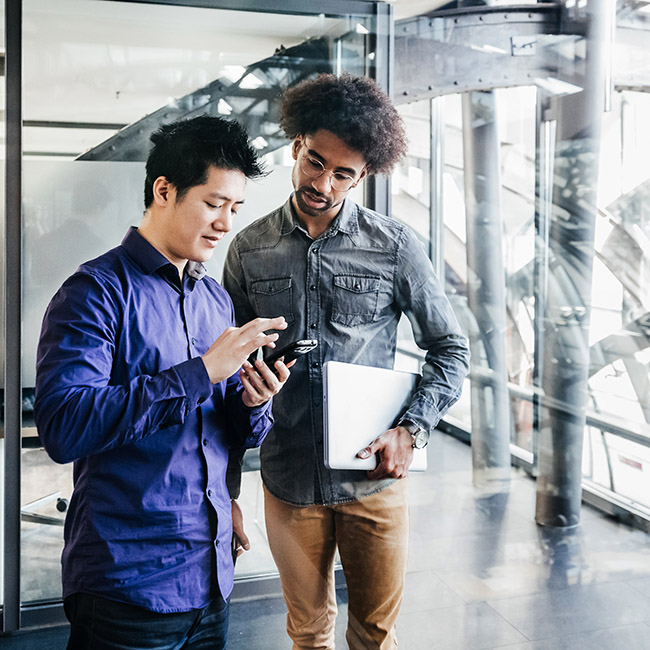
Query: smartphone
{"type": "Point", "coordinates": [290, 352]}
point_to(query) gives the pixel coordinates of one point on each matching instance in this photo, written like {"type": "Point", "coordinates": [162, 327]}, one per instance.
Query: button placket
{"type": "Point", "coordinates": [313, 315]}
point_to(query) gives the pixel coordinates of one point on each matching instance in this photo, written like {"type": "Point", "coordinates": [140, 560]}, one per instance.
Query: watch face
{"type": "Point", "coordinates": [420, 439]}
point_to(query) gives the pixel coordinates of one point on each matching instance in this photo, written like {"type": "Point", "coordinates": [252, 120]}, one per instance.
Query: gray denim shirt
{"type": "Point", "coordinates": [347, 289]}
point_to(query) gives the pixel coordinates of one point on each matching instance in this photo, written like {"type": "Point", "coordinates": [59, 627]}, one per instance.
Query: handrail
{"type": "Point", "coordinates": [626, 429]}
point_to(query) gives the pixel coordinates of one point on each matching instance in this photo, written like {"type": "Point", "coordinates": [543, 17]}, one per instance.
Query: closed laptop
{"type": "Point", "coordinates": [360, 403]}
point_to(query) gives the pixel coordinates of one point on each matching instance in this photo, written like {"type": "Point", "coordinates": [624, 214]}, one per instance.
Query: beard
{"type": "Point", "coordinates": [306, 208]}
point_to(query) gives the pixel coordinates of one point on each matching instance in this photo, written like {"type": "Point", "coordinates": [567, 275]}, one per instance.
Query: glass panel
{"type": "Point", "coordinates": [91, 68]}
{"type": "Point", "coordinates": [619, 332]}
{"type": "Point", "coordinates": [454, 232]}
{"type": "Point", "coordinates": [2, 299]}
{"type": "Point", "coordinates": [616, 450]}
{"type": "Point", "coordinates": [411, 189]}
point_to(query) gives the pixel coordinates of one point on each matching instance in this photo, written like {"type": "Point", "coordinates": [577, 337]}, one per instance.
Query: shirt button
{"type": "Point", "coordinates": [313, 326]}
{"type": "Point", "coordinates": [315, 364]}
{"type": "Point", "coordinates": [193, 341]}
{"type": "Point", "coordinates": [312, 287]}
{"type": "Point", "coordinates": [209, 493]}
{"type": "Point", "coordinates": [205, 442]}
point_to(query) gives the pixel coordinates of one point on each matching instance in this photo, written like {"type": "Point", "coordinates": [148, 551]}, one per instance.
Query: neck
{"type": "Point", "coordinates": [148, 231]}
{"type": "Point", "coordinates": [315, 226]}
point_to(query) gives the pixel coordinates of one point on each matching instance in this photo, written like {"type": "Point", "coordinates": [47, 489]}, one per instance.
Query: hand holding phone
{"type": "Point", "coordinates": [289, 352]}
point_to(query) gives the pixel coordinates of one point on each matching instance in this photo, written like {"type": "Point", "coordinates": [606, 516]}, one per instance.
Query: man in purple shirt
{"type": "Point", "coordinates": [142, 381]}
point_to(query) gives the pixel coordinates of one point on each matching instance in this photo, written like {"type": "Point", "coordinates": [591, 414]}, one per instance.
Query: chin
{"type": "Point", "coordinates": [202, 256]}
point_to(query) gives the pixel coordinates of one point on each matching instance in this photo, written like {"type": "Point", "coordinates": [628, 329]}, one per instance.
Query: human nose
{"type": "Point", "coordinates": [223, 222]}
{"type": "Point", "coordinates": [324, 182]}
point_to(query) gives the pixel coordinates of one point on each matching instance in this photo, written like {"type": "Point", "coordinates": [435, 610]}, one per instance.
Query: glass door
{"type": "Point", "coordinates": [99, 77]}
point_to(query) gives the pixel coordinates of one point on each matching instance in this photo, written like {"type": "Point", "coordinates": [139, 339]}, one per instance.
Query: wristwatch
{"type": "Point", "coordinates": [419, 436]}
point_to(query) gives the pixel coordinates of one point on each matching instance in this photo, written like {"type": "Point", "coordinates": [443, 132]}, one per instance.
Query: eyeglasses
{"type": "Point", "coordinates": [314, 168]}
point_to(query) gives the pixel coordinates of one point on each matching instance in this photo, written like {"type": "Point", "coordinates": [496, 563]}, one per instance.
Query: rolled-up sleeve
{"type": "Point", "coordinates": [435, 329]}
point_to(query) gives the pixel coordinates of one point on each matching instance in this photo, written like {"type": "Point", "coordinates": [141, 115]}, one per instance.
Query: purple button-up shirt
{"type": "Point", "coordinates": [121, 391]}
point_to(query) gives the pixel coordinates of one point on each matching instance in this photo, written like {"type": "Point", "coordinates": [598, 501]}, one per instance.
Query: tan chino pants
{"type": "Point", "coordinates": [372, 538]}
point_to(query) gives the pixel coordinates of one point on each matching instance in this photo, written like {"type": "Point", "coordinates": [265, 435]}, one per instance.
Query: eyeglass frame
{"type": "Point", "coordinates": [333, 181]}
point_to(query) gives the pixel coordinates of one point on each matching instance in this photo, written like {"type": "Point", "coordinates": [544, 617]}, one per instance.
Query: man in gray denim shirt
{"type": "Point", "coordinates": [342, 274]}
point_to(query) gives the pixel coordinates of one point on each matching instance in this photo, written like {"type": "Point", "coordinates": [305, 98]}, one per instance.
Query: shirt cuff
{"type": "Point", "coordinates": [256, 410]}
{"type": "Point", "coordinates": [196, 382]}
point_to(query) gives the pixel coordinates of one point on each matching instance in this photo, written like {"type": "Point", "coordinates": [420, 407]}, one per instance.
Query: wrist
{"type": "Point", "coordinates": [419, 435]}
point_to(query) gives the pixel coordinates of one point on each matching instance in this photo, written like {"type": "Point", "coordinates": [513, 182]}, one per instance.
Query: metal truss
{"type": "Point", "coordinates": [478, 48]}
{"type": "Point", "coordinates": [257, 107]}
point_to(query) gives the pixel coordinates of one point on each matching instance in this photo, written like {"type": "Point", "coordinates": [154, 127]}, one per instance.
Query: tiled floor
{"type": "Point", "coordinates": [481, 575]}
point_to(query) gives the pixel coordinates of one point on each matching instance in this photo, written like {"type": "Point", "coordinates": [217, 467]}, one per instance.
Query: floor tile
{"type": "Point", "coordinates": [425, 591]}
{"type": "Point", "coordinates": [642, 585]}
{"type": "Point", "coordinates": [470, 627]}
{"type": "Point", "coordinates": [632, 637]}
{"type": "Point", "coordinates": [577, 609]}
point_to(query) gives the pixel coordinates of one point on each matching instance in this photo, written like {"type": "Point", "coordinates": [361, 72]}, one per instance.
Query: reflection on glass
{"type": "Point", "coordinates": [616, 451]}
{"type": "Point", "coordinates": [98, 78]}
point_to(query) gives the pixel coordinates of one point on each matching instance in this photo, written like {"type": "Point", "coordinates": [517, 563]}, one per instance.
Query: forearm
{"type": "Point", "coordinates": [445, 368]}
{"type": "Point", "coordinates": [74, 421]}
{"type": "Point", "coordinates": [436, 330]}
{"type": "Point", "coordinates": [248, 426]}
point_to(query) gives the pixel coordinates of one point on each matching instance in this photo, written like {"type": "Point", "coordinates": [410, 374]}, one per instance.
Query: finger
{"type": "Point", "coordinates": [256, 393]}
{"type": "Point", "coordinates": [248, 367]}
{"type": "Point", "coordinates": [378, 473]}
{"type": "Point", "coordinates": [263, 324]}
{"type": "Point", "coordinates": [270, 379]}
{"type": "Point", "coordinates": [385, 471]}
{"type": "Point", "coordinates": [371, 449]}
{"type": "Point", "coordinates": [244, 541]}
{"type": "Point", "coordinates": [282, 370]}
{"type": "Point", "coordinates": [265, 340]}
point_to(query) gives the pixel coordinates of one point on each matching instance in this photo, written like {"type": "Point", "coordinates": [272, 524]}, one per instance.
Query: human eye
{"type": "Point", "coordinates": [315, 164]}
{"type": "Point", "coordinates": [212, 206]}
{"type": "Point", "coordinates": [343, 177]}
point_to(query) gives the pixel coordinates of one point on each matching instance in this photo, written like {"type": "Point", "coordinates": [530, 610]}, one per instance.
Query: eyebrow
{"type": "Point", "coordinates": [347, 170]}
{"type": "Point", "coordinates": [223, 197]}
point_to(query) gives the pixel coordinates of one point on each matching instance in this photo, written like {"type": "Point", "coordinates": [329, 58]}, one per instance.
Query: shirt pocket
{"type": "Point", "coordinates": [355, 299]}
{"type": "Point", "coordinates": [273, 297]}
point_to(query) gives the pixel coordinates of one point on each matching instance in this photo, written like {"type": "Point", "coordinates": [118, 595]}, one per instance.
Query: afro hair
{"type": "Point", "coordinates": [353, 108]}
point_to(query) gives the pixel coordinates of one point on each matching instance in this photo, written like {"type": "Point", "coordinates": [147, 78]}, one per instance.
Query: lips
{"type": "Point", "coordinates": [213, 239]}
{"type": "Point", "coordinates": [314, 200]}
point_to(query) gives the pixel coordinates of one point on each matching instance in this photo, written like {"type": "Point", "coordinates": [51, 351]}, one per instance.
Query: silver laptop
{"type": "Point", "coordinates": [360, 403]}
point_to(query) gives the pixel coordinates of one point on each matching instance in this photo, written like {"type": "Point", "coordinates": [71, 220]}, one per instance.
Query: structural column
{"type": "Point", "coordinates": [570, 260]}
{"type": "Point", "coordinates": [486, 292]}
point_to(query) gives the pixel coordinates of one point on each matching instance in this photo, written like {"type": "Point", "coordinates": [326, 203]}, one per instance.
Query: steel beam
{"type": "Point", "coordinates": [476, 49]}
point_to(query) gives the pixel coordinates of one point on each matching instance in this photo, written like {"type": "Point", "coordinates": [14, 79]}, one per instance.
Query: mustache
{"type": "Point", "coordinates": [307, 190]}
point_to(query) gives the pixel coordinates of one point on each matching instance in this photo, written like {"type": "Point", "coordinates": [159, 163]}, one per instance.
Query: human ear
{"type": "Point", "coordinates": [364, 172]}
{"type": "Point", "coordinates": [162, 189]}
{"type": "Point", "coordinates": [295, 147]}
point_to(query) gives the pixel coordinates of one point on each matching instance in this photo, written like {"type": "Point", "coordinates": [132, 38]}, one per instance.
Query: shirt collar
{"type": "Point", "coordinates": [150, 260]}
{"type": "Point", "coordinates": [346, 220]}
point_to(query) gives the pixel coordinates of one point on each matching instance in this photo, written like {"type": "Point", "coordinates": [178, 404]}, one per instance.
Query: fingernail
{"type": "Point", "coordinates": [364, 453]}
